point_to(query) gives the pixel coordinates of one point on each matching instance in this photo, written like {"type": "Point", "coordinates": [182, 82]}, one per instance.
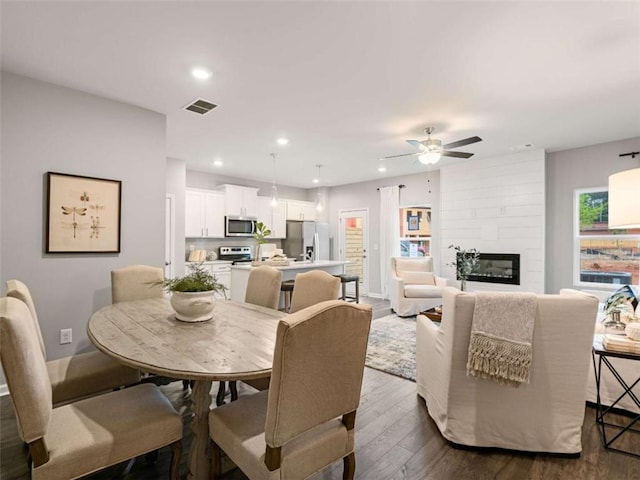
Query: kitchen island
{"type": "Point", "coordinates": [240, 273]}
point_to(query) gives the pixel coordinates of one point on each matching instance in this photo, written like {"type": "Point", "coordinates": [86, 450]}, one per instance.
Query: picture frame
{"type": "Point", "coordinates": [413, 222]}
{"type": "Point", "coordinates": [83, 214]}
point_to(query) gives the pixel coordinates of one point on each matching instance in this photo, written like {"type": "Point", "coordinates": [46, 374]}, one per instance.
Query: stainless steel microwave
{"type": "Point", "coordinates": [235, 226]}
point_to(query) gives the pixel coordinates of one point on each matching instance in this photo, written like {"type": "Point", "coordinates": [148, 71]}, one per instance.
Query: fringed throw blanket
{"type": "Point", "coordinates": [501, 336]}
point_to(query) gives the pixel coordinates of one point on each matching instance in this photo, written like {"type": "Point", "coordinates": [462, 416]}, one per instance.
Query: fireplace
{"type": "Point", "coordinates": [497, 268]}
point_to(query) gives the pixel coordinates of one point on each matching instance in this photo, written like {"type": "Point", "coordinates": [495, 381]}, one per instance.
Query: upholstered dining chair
{"type": "Point", "coordinates": [79, 375]}
{"type": "Point", "coordinates": [263, 289]}
{"type": "Point", "coordinates": [85, 436]}
{"type": "Point", "coordinates": [313, 287]}
{"type": "Point", "coordinates": [135, 282]}
{"type": "Point", "coordinates": [305, 421]}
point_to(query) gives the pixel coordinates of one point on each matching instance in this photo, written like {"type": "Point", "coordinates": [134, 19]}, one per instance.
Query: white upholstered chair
{"type": "Point", "coordinates": [413, 287]}
{"type": "Point", "coordinates": [305, 421]}
{"type": "Point", "coordinates": [79, 375]}
{"type": "Point", "coordinates": [313, 287]}
{"type": "Point", "coordinates": [545, 415]}
{"type": "Point", "coordinates": [85, 436]}
{"type": "Point", "coordinates": [610, 388]}
{"type": "Point", "coordinates": [263, 289]}
{"type": "Point", "coordinates": [135, 282]}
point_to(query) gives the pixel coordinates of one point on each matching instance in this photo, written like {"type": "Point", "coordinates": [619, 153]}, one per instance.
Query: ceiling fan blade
{"type": "Point", "coordinates": [401, 155]}
{"type": "Point", "coordinates": [462, 143]}
{"type": "Point", "coordinates": [418, 145]}
{"type": "Point", "coordinates": [446, 153]}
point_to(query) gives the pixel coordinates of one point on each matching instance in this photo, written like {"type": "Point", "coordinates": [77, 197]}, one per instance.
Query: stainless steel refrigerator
{"type": "Point", "coordinates": [307, 241]}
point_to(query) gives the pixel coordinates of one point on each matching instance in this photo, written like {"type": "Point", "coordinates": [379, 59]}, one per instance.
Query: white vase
{"type": "Point", "coordinates": [193, 306]}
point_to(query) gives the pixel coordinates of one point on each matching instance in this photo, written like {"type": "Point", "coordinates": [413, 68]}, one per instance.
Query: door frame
{"type": "Point", "coordinates": [170, 235]}
{"type": "Point", "coordinates": [364, 282]}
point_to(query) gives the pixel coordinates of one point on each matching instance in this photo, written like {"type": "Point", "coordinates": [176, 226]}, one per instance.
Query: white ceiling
{"type": "Point", "coordinates": [346, 82]}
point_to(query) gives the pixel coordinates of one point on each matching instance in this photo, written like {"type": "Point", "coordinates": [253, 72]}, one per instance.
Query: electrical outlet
{"type": "Point", "coordinates": [65, 336]}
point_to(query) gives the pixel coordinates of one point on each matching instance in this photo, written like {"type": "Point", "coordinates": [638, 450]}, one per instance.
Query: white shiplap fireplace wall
{"type": "Point", "coordinates": [496, 205]}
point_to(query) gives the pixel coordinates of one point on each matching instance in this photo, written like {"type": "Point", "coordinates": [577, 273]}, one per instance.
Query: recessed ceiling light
{"type": "Point", "coordinates": [382, 169]}
{"type": "Point", "coordinates": [524, 146]}
{"type": "Point", "coordinates": [201, 73]}
{"type": "Point", "coordinates": [282, 141]}
{"type": "Point", "coordinates": [218, 163]}
{"type": "Point", "coordinates": [315, 180]}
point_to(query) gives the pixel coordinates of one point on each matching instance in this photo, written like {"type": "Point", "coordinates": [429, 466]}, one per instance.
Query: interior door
{"type": "Point", "coordinates": [354, 245]}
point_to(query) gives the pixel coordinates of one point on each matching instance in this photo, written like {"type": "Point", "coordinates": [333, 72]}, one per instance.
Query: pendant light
{"type": "Point", "coordinates": [319, 206]}
{"type": "Point", "coordinates": [274, 189]}
{"type": "Point", "coordinates": [624, 197]}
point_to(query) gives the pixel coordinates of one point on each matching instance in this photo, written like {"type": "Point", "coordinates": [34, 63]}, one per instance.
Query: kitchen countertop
{"type": "Point", "coordinates": [211, 262]}
{"type": "Point", "coordinates": [297, 265]}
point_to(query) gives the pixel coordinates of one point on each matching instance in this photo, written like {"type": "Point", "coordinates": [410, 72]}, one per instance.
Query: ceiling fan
{"type": "Point", "coordinates": [430, 150]}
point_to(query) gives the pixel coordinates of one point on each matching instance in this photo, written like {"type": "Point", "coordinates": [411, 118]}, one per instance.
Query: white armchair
{"type": "Point", "coordinates": [413, 287]}
{"type": "Point", "coordinates": [545, 415]}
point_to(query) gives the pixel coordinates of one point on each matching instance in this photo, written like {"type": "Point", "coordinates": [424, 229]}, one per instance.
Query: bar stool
{"type": "Point", "coordinates": [287, 288]}
{"type": "Point", "coordinates": [346, 278]}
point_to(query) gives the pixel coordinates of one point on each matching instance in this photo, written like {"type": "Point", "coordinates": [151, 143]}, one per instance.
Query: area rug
{"type": "Point", "coordinates": [392, 346]}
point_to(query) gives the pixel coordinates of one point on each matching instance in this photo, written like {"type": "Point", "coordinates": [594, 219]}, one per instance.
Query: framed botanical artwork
{"type": "Point", "coordinates": [83, 214]}
{"type": "Point", "coordinates": [413, 222]}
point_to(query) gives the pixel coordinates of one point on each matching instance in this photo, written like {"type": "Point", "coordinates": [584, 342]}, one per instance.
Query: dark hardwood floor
{"type": "Point", "coordinates": [395, 439]}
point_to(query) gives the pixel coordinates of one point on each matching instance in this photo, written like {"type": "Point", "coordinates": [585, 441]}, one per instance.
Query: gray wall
{"type": "Point", "coordinates": [565, 171]}
{"type": "Point", "coordinates": [365, 196]}
{"type": "Point", "coordinates": [49, 128]}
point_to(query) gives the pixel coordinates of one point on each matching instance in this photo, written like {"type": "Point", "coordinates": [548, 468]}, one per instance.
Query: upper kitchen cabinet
{"type": "Point", "coordinates": [240, 201]}
{"type": "Point", "coordinates": [275, 218]}
{"type": "Point", "coordinates": [301, 210]}
{"type": "Point", "coordinates": [204, 213]}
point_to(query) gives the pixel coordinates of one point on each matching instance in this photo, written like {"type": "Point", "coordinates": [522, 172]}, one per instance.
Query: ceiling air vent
{"type": "Point", "coordinates": [200, 106]}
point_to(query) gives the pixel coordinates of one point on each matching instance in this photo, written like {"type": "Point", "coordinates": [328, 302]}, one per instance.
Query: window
{"type": "Point", "coordinates": [415, 231]}
{"type": "Point", "coordinates": [604, 257]}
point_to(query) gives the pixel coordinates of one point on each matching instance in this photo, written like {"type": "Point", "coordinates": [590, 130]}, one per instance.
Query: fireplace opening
{"type": "Point", "coordinates": [497, 268]}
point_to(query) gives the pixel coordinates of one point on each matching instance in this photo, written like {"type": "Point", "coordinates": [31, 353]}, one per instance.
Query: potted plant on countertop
{"type": "Point", "coordinates": [467, 262]}
{"type": "Point", "coordinates": [193, 295]}
{"type": "Point", "coordinates": [260, 235]}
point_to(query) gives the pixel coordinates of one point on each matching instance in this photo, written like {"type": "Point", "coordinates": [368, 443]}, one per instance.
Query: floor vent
{"type": "Point", "coordinates": [200, 106]}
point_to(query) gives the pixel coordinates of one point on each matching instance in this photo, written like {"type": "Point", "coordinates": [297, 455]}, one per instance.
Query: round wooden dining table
{"type": "Point", "coordinates": [236, 344]}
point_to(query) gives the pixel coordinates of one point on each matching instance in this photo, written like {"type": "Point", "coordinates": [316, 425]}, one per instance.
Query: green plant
{"type": "Point", "coordinates": [262, 231]}
{"type": "Point", "coordinates": [199, 280]}
{"type": "Point", "coordinates": [467, 261]}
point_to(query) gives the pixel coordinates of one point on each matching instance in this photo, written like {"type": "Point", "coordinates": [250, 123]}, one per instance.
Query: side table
{"type": "Point", "coordinates": [601, 356]}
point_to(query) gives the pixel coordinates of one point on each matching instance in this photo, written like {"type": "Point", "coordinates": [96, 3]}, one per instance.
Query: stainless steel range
{"type": "Point", "coordinates": [235, 254]}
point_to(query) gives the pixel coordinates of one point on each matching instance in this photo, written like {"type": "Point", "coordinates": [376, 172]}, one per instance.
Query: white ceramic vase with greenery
{"type": "Point", "coordinates": [193, 295]}
{"type": "Point", "coordinates": [260, 236]}
{"type": "Point", "coordinates": [467, 262]}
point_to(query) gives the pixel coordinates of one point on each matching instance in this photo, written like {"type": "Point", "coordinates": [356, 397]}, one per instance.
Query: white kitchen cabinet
{"type": "Point", "coordinates": [204, 214]}
{"type": "Point", "coordinates": [273, 217]}
{"type": "Point", "coordinates": [222, 272]}
{"type": "Point", "coordinates": [301, 210]}
{"type": "Point", "coordinates": [241, 201]}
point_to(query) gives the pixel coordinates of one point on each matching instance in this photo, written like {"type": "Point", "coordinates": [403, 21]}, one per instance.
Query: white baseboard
{"type": "Point", "coordinates": [4, 390]}
{"type": "Point", "coordinates": [375, 295]}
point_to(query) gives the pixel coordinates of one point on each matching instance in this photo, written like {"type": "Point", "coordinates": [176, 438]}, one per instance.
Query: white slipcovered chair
{"type": "Point", "coordinates": [82, 437]}
{"type": "Point", "coordinates": [413, 287]}
{"type": "Point", "coordinates": [545, 415]}
{"type": "Point", "coordinates": [610, 388]}
{"type": "Point", "coordinates": [305, 421]}
{"type": "Point", "coordinates": [79, 375]}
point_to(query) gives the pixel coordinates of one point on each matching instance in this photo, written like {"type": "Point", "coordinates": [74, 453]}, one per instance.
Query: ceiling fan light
{"type": "Point", "coordinates": [429, 158]}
